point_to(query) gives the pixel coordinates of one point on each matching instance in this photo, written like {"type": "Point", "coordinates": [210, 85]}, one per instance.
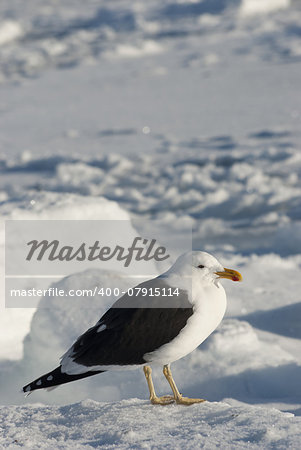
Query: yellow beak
{"type": "Point", "coordinates": [230, 274]}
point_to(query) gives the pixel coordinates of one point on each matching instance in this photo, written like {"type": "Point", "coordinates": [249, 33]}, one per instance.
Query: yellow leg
{"type": "Point", "coordinates": [165, 399]}
{"type": "Point", "coordinates": [180, 400]}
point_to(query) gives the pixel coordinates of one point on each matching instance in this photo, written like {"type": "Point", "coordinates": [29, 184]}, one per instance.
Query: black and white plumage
{"type": "Point", "coordinates": [145, 330]}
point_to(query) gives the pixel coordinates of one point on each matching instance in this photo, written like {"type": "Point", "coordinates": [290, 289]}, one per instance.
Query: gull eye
{"type": "Point", "coordinates": [201, 266]}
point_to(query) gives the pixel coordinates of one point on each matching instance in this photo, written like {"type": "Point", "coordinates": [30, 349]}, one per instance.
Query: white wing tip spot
{"type": "Point", "coordinates": [39, 382]}
{"type": "Point", "coordinates": [101, 328]}
{"type": "Point", "coordinates": [50, 378]}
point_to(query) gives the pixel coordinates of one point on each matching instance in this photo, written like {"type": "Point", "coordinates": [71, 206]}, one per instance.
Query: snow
{"type": "Point", "coordinates": [9, 30]}
{"type": "Point", "coordinates": [90, 424]}
{"type": "Point", "coordinates": [43, 206]}
{"type": "Point", "coordinates": [187, 112]}
{"type": "Point", "coordinates": [251, 7]}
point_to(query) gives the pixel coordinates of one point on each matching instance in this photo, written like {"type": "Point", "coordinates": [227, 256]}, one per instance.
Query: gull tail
{"type": "Point", "coordinates": [53, 379]}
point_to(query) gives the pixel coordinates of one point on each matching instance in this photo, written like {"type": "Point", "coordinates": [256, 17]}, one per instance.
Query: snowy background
{"type": "Point", "coordinates": [183, 111]}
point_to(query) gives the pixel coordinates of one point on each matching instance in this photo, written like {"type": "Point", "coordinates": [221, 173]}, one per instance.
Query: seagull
{"type": "Point", "coordinates": [156, 323]}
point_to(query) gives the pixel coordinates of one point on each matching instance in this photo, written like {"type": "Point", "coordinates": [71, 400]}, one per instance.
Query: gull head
{"type": "Point", "coordinates": [204, 267]}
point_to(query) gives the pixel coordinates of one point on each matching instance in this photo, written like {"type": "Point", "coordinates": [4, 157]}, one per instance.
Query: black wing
{"type": "Point", "coordinates": [134, 326]}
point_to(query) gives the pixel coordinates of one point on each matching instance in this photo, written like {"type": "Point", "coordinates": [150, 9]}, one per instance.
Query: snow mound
{"type": "Point", "coordinates": [9, 30]}
{"type": "Point", "coordinates": [137, 424]}
{"type": "Point", "coordinates": [251, 7]}
{"type": "Point", "coordinates": [61, 206]}
{"type": "Point", "coordinates": [43, 206]}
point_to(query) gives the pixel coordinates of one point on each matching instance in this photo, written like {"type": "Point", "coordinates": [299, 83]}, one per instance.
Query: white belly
{"type": "Point", "coordinates": [209, 308]}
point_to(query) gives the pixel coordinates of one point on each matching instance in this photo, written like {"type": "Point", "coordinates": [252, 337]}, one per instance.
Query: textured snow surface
{"type": "Point", "coordinates": [70, 33]}
{"type": "Point", "coordinates": [137, 424]}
